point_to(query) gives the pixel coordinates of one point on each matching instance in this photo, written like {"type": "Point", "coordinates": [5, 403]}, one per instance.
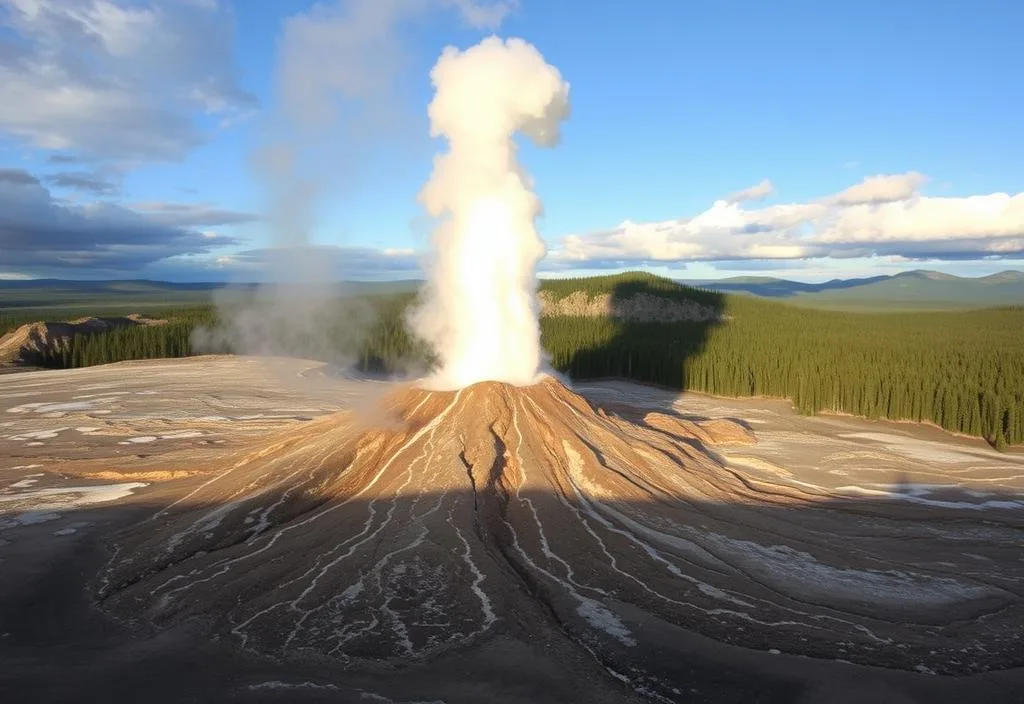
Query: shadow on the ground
{"type": "Point", "coordinates": [55, 645]}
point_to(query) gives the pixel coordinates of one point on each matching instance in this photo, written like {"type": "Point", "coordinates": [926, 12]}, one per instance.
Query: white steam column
{"type": "Point", "coordinates": [479, 308]}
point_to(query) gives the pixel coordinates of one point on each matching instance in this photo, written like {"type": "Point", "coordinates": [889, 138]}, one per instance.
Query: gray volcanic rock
{"type": "Point", "coordinates": [524, 512]}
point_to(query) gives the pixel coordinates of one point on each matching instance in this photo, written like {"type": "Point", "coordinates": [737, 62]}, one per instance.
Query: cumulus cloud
{"type": "Point", "coordinates": [881, 189]}
{"type": "Point", "coordinates": [881, 216]}
{"type": "Point", "coordinates": [758, 192]}
{"type": "Point", "coordinates": [41, 234]}
{"type": "Point", "coordinates": [116, 79]}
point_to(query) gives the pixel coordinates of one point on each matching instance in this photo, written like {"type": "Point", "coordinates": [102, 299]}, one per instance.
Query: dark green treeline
{"type": "Point", "coordinates": [171, 339]}
{"type": "Point", "coordinates": [964, 372]}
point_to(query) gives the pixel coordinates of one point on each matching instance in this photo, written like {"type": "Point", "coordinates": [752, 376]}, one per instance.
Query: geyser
{"type": "Point", "coordinates": [479, 308]}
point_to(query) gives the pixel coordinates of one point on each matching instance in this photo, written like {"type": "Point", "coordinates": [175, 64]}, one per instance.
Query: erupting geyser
{"type": "Point", "coordinates": [479, 309]}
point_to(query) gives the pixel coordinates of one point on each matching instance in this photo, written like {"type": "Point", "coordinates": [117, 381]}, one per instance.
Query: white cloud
{"type": "Point", "coordinates": [992, 218]}
{"type": "Point", "coordinates": [881, 216]}
{"type": "Point", "coordinates": [758, 192]}
{"type": "Point", "coordinates": [881, 189]}
{"type": "Point", "coordinates": [114, 79]}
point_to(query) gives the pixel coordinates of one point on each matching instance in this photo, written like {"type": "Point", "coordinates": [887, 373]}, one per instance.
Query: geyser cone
{"type": "Point", "coordinates": [510, 510]}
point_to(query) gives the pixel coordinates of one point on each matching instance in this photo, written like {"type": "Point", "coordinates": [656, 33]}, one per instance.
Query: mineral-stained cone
{"type": "Point", "coordinates": [497, 509]}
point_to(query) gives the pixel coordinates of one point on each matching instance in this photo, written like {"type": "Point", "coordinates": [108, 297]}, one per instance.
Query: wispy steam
{"type": "Point", "coordinates": [337, 80]}
{"type": "Point", "coordinates": [479, 309]}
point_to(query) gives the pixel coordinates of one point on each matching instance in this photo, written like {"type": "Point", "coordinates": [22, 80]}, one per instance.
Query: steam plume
{"type": "Point", "coordinates": [336, 103]}
{"type": "Point", "coordinates": [479, 309]}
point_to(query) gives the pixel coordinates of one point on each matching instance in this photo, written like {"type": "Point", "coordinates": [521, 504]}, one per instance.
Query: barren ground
{"type": "Point", "coordinates": [86, 455]}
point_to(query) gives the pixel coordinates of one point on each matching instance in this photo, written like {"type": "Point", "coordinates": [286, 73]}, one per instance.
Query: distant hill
{"type": "Point", "coordinates": [41, 294]}
{"type": "Point", "coordinates": [920, 289]}
{"type": "Point", "coordinates": [911, 290]}
{"type": "Point", "coordinates": [90, 286]}
{"type": "Point", "coordinates": [37, 294]}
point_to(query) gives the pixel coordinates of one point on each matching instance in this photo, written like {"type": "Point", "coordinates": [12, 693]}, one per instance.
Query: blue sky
{"type": "Point", "coordinates": [888, 134]}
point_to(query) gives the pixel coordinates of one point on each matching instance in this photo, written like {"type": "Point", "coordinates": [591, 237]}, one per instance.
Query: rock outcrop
{"type": "Point", "coordinates": [32, 342]}
{"type": "Point", "coordinates": [638, 307]}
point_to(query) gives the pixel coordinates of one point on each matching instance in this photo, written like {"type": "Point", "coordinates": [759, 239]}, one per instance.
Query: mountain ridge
{"type": "Point", "coordinates": [918, 288]}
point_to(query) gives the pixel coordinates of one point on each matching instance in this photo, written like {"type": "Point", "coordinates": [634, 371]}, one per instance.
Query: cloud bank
{"type": "Point", "coordinates": [883, 215]}
{"type": "Point", "coordinates": [40, 234]}
{"type": "Point", "coordinates": [880, 217]}
{"type": "Point", "coordinates": [115, 80]}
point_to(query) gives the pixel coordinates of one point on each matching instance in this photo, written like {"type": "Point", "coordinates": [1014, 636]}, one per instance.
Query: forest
{"type": "Point", "coordinates": [962, 370]}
